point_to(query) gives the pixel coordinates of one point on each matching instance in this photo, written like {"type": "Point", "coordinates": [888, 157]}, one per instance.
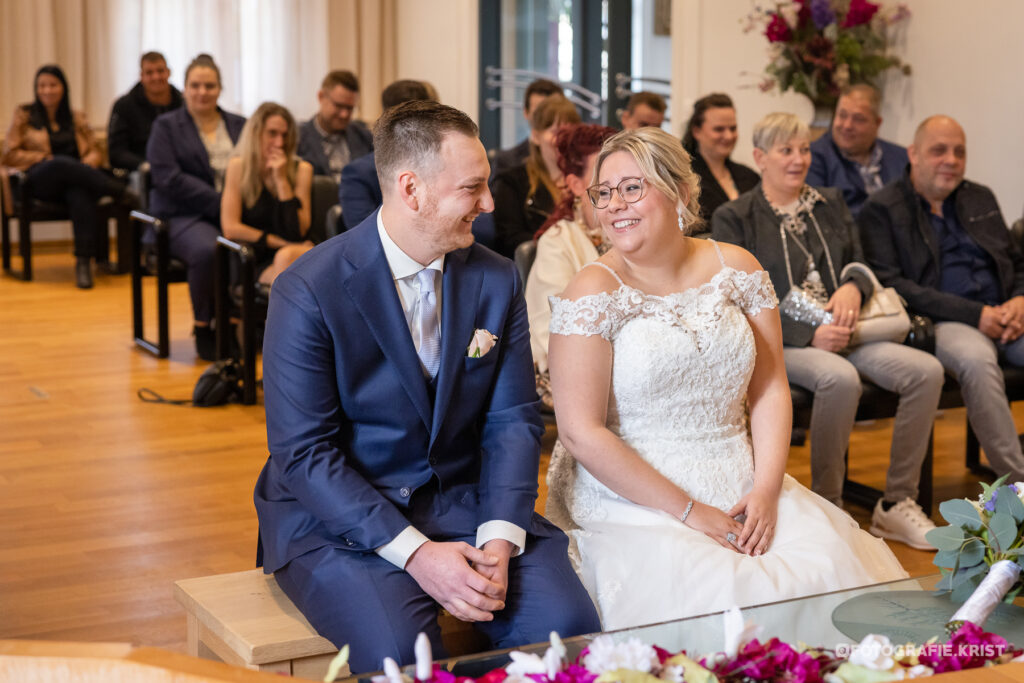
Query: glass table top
{"type": "Point", "coordinates": [907, 610]}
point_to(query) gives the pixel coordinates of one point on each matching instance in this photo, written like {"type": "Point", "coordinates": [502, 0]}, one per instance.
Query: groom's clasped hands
{"type": "Point", "coordinates": [468, 582]}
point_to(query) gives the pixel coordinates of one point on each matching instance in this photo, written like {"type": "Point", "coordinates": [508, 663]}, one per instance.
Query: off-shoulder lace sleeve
{"type": "Point", "coordinates": [753, 292]}
{"type": "Point", "coordinates": [589, 315]}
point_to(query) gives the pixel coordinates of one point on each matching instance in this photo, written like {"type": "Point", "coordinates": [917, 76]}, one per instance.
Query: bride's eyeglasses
{"type": "Point", "coordinates": [631, 190]}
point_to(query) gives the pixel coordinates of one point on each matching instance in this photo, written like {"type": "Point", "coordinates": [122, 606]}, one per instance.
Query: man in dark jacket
{"type": "Point", "coordinates": [941, 241]}
{"type": "Point", "coordinates": [133, 114]}
{"type": "Point", "coordinates": [851, 156]}
{"type": "Point", "coordinates": [332, 139]}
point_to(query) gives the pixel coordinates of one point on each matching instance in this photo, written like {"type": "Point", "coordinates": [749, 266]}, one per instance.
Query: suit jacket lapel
{"type": "Point", "coordinates": [372, 289]}
{"type": "Point", "coordinates": [461, 293]}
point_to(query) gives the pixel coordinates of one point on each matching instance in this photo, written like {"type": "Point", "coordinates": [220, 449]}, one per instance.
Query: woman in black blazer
{"type": "Point", "coordinates": [188, 153]}
{"type": "Point", "coordinates": [804, 237]}
{"type": "Point", "coordinates": [710, 138]}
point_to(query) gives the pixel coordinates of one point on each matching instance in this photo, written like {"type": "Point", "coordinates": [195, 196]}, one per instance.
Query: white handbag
{"type": "Point", "coordinates": [883, 316]}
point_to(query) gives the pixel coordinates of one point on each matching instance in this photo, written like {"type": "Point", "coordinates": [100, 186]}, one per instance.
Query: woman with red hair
{"type": "Point", "coordinates": [567, 241]}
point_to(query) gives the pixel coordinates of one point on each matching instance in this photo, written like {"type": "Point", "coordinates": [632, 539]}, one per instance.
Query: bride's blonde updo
{"type": "Point", "coordinates": [665, 165]}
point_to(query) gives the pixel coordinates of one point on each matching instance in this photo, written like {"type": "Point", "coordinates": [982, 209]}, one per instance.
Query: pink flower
{"type": "Point", "coordinates": [482, 342]}
{"type": "Point", "coordinates": [968, 648]}
{"type": "Point", "coordinates": [860, 12]}
{"type": "Point", "coordinates": [778, 30]}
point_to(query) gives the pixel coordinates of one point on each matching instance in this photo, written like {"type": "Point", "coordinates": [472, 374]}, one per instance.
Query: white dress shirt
{"type": "Point", "coordinates": [404, 270]}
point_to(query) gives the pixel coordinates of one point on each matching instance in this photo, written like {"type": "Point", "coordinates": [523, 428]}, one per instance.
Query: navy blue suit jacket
{"type": "Point", "coordinates": [350, 425]}
{"type": "Point", "coordinates": [829, 168]}
{"type": "Point", "coordinates": [357, 135]}
{"type": "Point", "coordinates": [182, 181]}
{"type": "Point", "coordinates": [359, 193]}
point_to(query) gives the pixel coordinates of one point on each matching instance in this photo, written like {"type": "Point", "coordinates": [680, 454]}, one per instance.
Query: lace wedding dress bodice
{"type": "Point", "coordinates": [681, 365]}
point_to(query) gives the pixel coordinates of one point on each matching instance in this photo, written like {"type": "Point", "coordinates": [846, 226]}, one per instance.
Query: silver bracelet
{"type": "Point", "coordinates": [686, 512]}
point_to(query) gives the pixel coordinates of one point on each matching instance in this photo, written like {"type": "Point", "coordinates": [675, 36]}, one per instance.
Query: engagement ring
{"type": "Point", "coordinates": [731, 537]}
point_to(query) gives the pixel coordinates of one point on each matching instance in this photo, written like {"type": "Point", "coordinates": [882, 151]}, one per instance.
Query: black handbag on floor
{"type": "Point", "coordinates": [219, 384]}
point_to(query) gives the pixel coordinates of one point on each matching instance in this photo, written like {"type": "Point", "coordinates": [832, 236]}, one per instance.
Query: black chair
{"type": "Point", "coordinates": [524, 256]}
{"type": "Point", "coordinates": [236, 278]}
{"type": "Point", "coordinates": [323, 197]}
{"type": "Point", "coordinates": [20, 204]}
{"type": "Point", "coordinates": [155, 260]}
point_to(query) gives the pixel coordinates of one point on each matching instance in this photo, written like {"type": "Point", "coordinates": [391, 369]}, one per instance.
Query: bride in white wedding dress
{"type": "Point", "coordinates": [671, 397]}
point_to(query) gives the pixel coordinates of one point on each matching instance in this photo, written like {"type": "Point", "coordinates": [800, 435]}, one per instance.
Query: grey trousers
{"type": "Point", "coordinates": [973, 359]}
{"type": "Point", "coordinates": [835, 380]}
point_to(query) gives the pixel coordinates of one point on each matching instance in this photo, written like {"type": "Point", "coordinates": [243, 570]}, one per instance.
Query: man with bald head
{"type": "Point", "coordinates": [941, 241]}
{"type": "Point", "coordinates": [850, 156]}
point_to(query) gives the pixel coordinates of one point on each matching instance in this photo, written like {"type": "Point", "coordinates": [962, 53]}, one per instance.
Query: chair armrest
{"type": "Point", "coordinates": [245, 250]}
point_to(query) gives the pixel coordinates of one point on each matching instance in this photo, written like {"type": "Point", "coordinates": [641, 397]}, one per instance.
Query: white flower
{"type": "Point", "coordinates": [523, 664]}
{"type": "Point", "coordinates": [633, 655]}
{"type": "Point", "coordinates": [918, 671]}
{"type": "Point", "coordinates": [480, 344]}
{"type": "Point", "coordinates": [874, 652]}
{"type": "Point", "coordinates": [1018, 486]}
{"type": "Point", "coordinates": [737, 633]}
{"type": "Point", "coordinates": [673, 674]}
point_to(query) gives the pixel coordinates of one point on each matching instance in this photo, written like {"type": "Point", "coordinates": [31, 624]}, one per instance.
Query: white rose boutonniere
{"type": "Point", "coordinates": [482, 342]}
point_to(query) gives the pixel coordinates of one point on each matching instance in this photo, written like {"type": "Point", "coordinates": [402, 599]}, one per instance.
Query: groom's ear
{"type": "Point", "coordinates": [408, 184]}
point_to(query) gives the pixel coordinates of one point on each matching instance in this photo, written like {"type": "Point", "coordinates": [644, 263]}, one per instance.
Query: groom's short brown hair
{"type": "Point", "coordinates": [409, 136]}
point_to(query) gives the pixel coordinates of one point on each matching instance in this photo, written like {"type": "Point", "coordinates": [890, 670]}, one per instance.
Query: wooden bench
{"type": "Point", "coordinates": [246, 620]}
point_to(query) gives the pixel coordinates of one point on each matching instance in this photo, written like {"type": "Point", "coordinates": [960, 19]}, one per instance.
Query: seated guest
{"type": "Point", "coordinates": [188, 152]}
{"type": "Point", "coordinates": [804, 237]}
{"type": "Point", "coordinates": [644, 109]}
{"type": "Point", "coordinates": [267, 190]}
{"type": "Point", "coordinates": [851, 156]}
{"type": "Point", "coordinates": [570, 239]}
{"type": "Point", "coordinates": [359, 192]}
{"type": "Point", "coordinates": [941, 242]}
{"type": "Point", "coordinates": [710, 138]}
{"type": "Point", "coordinates": [133, 114]}
{"type": "Point", "coordinates": [525, 195]}
{"type": "Point", "coordinates": [536, 92]}
{"type": "Point", "coordinates": [402, 474]}
{"type": "Point", "coordinates": [331, 139]}
{"type": "Point", "coordinates": [56, 149]}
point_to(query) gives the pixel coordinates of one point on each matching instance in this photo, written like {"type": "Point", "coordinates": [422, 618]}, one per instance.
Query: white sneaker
{"type": "Point", "coordinates": [904, 522]}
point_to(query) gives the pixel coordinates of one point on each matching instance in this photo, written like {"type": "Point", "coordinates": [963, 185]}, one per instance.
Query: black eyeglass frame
{"type": "Point", "coordinates": [595, 199]}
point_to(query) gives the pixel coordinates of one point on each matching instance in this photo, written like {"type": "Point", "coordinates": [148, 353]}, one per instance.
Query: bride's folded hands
{"type": "Point", "coordinates": [761, 510]}
{"type": "Point", "coordinates": [715, 524]}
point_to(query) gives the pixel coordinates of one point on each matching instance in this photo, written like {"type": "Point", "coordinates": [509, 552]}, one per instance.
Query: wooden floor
{"type": "Point", "coordinates": [106, 500]}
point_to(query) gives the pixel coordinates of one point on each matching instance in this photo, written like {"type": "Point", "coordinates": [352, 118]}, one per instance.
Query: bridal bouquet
{"type": "Point", "coordinates": [817, 47]}
{"type": "Point", "coordinates": [744, 658]}
{"type": "Point", "coordinates": [981, 533]}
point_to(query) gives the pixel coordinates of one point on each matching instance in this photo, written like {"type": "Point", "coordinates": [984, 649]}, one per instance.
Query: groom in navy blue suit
{"type": "Point", "coordinates": [402, 419]}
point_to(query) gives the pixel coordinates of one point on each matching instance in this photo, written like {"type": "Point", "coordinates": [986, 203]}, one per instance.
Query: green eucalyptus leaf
{"type": "Point", "coordinates": [1004, 530]}
{"type": "Point", "coordinates": [1008, 502]}
{"type": "Point", "coordinates": [965, 589]}
{"type": "Point", "coordinates": [960, 512]}
{"type": "Point", "coordinates": [946, 559]}
{"type": "Point", "coordinates": [946, 582]}
{"type": "Point", "coordinates": [1013, 552]}
{"type": "Point", "coordinates": [972, 552]}
{"type": "Point", "coordinates": [946, 537]}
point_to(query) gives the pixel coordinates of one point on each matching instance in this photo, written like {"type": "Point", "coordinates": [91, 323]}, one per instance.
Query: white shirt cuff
{"type": "Point", "coordinates": [499, 528]}
{"type": "Point", "coordinates": [401, 548]}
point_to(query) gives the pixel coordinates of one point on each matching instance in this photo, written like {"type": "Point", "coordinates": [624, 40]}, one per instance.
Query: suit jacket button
{"type": "Point", "coordinates": [432, 460]}
{"type": "Point", "coordinates": [405, 492]}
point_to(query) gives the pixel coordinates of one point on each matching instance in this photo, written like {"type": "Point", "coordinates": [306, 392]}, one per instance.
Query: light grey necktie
{"type": "Point", "coordinates": [430, 337]}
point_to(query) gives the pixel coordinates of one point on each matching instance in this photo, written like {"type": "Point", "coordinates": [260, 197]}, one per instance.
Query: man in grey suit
{"type": "Point", "coordinates": [331, 139]}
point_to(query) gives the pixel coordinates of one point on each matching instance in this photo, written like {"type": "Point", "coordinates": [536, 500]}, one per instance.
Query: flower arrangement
{"type": "Point", "coordinates": [818, 47]}
{"type": "Point", "coordinates": [743, 659]}
{"type": "Point", "coordinates": [981, 534]}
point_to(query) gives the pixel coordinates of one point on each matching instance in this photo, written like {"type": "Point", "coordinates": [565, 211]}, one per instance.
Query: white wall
{"type": "Point", "coordinates": [438, 42]}
{"type": "Point", "coordinates": [966, 60]}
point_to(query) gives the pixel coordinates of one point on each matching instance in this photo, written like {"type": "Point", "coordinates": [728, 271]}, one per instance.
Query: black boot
{"type": "Point", "coordinates": [83, 272]}
{"type": "Point", "coordinates": [206, 342]}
